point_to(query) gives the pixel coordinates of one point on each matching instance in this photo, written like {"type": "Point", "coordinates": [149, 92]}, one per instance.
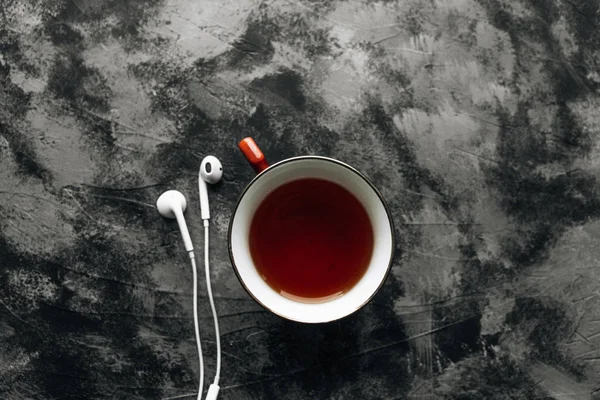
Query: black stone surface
{"type": "Point", "coordinates": [477, 119]}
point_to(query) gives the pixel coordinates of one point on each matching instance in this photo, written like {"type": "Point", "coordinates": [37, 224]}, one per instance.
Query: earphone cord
{"type": "Point", "coordinates": [212, 304]}
{"type": "Point", "coordinates": [213, 309]}
{"type": "Point", "coordinates": [196, 325]}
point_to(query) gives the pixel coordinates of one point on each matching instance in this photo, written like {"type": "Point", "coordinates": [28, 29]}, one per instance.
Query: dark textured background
{"type": "Point", "coordinates": [479, 120]}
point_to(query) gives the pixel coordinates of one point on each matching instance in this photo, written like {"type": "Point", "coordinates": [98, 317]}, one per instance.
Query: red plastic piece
{"type": "Point", "coordinates": [253, 154]}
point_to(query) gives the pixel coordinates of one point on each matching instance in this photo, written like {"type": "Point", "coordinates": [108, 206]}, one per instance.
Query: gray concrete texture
{"type": "Point", "coordinates": [477, 119]}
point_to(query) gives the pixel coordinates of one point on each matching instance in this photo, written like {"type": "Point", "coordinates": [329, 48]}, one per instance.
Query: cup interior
{"type": "Point", "coordinates": [345, 176]}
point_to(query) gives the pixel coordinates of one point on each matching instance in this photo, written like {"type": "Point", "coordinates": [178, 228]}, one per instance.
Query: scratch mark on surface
{"type": "Point", "coordinates": [324, 16]}
{"type": "Point", "coordinates": [181, 396]}
{"type": "Point", "coordinates": [239, 330]}
{"type": "Point", "coordinates": [120, 313]}
{"type": "Point", "coordinates": [475, 155]}
{"type": "Point", "coordinates": [586, 298]}
{"type": "Point", "coordinates": [577, 9]}
{"type": "Point", "coordinates": [431, 196]}
{"type": "Point", "coordinates": [595, 335]}
{"type": "Point", "coordinates": [443, 223]}
{"type": "Point", "coordinates": [80, 206]}
{"type": "Point", "coordinates": [537, 384]}
{"type": "Point", "coordinates": [439, 257]}
{"type": "Point", "coordinates": [299, 371]}
{"type": "Point", "coordinates": [123, 199]}
{"type": "Point", "coordinates": [20, 194]}
{"type": "Point", "coordinates": [142, 135]}
{"type": "Point", "coordinates": [127, 148]}
{"type": "Point", "coordinates": [248, 369]}
{"type": "Point", "coordinates": [11, 223]}
{"type": "Point", "coordinates": [13, 313]}
{"type": "Point", "coordinates": [572, 286]}
{"type": "Point", "coordinates": [350, 99]}
{"type": "Point", "coordinates": [237, 386]}
{"type": "Point", "coordinates": [383, 39]}
{"type": "Point", "coordinates": [120, 282]}
{"type": "Point", "coordinates": [429, 332]}
{"type": "Point", "coordinates": [242, 313]}
{"type": "Point", "coordinates": [584, 338]}
{"type": "Point", "coordinates": [117, 189]}
{"type": "Point", "coordinates": [409, 50]}
{"type": "Point", "coordinates": [255, 333]}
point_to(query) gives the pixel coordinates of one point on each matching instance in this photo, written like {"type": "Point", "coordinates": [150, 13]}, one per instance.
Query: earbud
{"type": "Point", "coordinates": [211, 171]}
{"type": "Point", "coordinates": [172, 204]}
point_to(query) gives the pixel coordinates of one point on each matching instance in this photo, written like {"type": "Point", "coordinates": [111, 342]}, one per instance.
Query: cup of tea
{"type": "Point", "coordinates": [311, 238]}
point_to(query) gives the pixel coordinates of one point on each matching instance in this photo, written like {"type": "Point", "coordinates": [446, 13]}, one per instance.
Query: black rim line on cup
{"type": "Point", "coordinates": [342, 164]}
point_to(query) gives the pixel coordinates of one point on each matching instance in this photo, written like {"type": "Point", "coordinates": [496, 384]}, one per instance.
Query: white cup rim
{"type": "Point", "coordinates": [342, 164]}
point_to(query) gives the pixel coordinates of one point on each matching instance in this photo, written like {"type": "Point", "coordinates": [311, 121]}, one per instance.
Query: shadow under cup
{"type": "Point", "coordinates": [320, 168]}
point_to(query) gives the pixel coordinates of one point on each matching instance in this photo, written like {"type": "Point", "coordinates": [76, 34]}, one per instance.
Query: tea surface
{"type": "Point", "coordinates": [311, 240]}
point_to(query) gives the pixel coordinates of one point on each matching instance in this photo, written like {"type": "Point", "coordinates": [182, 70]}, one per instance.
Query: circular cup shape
{"type": "Point", "coordinates": [352, 180]}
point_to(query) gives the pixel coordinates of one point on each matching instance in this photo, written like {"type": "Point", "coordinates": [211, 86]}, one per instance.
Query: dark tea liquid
{"type": "Point", "coordinates": [311, 240]}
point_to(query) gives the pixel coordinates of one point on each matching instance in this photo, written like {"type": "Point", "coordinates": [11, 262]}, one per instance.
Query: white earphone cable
{"type": "Point", "coordinates": [211, 171]}
{"type": "Point", "coordinates": [212, 304]}
{"type": "Point", "coordinates": [196, 325]}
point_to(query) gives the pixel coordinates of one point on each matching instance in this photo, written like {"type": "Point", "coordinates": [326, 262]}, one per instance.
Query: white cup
{"type": "Point", "coordinates": [270, 178]}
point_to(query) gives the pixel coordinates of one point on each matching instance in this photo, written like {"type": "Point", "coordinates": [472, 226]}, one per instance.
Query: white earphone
{"type": "Point", "coordinates": [172, 204]}
{"type": "Point", "coordinates": [211, 171]}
